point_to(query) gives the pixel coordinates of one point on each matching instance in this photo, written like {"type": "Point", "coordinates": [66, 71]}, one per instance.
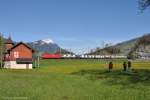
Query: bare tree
{"type": "Point", "coordinates": [143, 4]}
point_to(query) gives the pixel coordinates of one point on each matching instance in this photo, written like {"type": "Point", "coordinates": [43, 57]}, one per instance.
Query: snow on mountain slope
{"type": "Point", "coordinates": [48, 41]}
{"type": "Point", "coordinates": [45, 45]}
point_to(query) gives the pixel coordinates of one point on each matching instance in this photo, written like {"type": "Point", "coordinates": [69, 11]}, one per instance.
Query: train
{"type": "Point", "coordinates": [73, 56]}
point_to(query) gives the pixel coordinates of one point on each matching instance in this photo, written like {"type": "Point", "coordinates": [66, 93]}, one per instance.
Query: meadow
{"type": "Point", "coordinates": [77, 79]}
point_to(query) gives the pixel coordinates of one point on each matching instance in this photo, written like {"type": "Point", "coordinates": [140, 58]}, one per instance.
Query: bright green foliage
{"type": "Point", "coordinates": [2, 50]}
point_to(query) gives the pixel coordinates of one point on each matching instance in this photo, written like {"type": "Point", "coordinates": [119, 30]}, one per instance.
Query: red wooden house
{"type": "Point", "coordinates": [18, 56]}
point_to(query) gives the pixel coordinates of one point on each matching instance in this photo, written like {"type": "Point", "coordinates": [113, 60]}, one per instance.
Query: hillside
{"type": "Point", "coordinates": [136, 45]}
{"type": "Point", "coordinates": [121, 48]}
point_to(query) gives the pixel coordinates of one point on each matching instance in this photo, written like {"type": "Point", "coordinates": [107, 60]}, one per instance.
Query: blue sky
{"type": "Point", "coordinates": [73, 24]}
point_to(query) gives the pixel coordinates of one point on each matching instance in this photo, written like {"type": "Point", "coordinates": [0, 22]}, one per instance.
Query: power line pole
{"type": "Point", "coordinates": [60, 50]}
{"type": "Point", "coordinates": [38, 60]}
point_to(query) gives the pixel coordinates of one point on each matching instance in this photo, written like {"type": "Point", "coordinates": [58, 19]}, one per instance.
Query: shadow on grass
{"type": "Point", "coordinates": [117, 77]}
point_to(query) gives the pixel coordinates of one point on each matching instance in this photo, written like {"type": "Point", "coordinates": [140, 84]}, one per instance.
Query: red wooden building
{"type": "Point", "coordinates": [18, 56]}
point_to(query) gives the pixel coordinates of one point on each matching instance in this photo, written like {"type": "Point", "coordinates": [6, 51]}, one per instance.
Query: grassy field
{"type": "Point", "coordinates": [76, 80]}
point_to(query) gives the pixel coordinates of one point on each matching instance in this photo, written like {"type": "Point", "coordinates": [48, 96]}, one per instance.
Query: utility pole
{"type": "Point", "coordinates": [38, 60]}
{"type": "Point", "coordinates": [35, 62]}
{"type": "Point", "coordinates": [60, 50]}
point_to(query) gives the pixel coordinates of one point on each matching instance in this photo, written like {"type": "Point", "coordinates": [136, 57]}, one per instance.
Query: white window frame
{"type": "Point", "coordinates": [16, 54]}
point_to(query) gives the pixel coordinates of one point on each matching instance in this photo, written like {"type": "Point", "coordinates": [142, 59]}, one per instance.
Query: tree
{"type": "Point", "coordinates": [2, 50]}
{"type": "Point", "coordinates": [143, 4]}
{"type": "Point", "coordinates": [112, 50]}
{"type": "Point", "coordinates": [144, 40]}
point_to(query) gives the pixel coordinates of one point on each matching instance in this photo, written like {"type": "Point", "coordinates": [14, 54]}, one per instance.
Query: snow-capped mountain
{"type": "Point", "coordinates": [48, 41]}
{"type": "Point", "coordinates": [45, 45]}
{"type": "Point", "coordinates": [44, 41]}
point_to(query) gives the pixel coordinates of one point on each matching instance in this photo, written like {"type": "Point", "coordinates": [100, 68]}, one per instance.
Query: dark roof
{"type": "Point", "coordinates": [20, 44]}
{"type": "Point", "coordinates": [24, 60]}
{"type": "Point", "coordinates": [9, 41]}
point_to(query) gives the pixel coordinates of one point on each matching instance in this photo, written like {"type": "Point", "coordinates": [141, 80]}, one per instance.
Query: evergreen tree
{"type": "Point", "coordinates": [2, 50]}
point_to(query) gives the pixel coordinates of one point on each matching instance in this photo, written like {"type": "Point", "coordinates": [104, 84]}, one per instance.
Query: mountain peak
{"type": "Point", "coordinates": [48, 41]}
{"type": "Point", "coordinates": [45, 45]}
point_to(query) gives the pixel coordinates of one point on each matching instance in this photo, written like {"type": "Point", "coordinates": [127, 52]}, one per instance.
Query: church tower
{"type": "Point", "coordinates": [9, 43]}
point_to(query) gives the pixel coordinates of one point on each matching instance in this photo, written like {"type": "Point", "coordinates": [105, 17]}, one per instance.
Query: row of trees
{"type": "Point", "coordinates": [106, 50]}
{"type": "Point", "coordinates": [2, 49]}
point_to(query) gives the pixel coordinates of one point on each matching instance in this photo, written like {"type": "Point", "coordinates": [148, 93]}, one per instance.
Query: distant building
{"type": "Point", "coordinates": [142, 55]}
{"type": "Point", "coordinates": [18, 56]}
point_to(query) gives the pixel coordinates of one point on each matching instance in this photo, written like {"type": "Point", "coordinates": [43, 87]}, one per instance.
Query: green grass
{"type": "Point", "coordinates": [76, 80]}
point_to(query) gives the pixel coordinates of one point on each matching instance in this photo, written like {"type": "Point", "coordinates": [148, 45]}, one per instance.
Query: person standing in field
{"type": "Point", "coordinates": [124, 66]}
{"type": "Point", "coordinates": [110, 67]}
{"type": "Point", "coordinates": [129, 66]}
